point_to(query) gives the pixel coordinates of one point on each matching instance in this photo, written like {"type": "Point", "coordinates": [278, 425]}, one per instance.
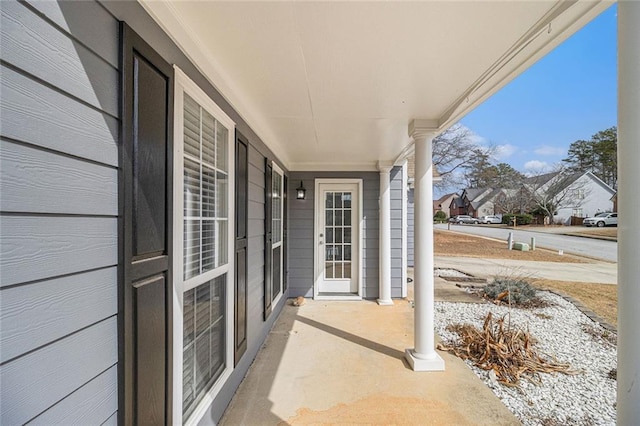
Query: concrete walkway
{"type": "Point", "coordinates": [343, 363]}
{"type": "Point", "coordinates": [592, 272]}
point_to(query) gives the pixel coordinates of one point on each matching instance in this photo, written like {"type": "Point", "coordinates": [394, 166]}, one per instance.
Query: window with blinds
{"type": "Point", "coordinates": [203, 340]}
{"type": "Point", "coordinates": [205, 243]}
{"type": "Point", "coordinates": [206, 179]}
{"type": "Point", "coordinates": [277, 204]}
{"type": "Point", "coordinates": [276, 207]}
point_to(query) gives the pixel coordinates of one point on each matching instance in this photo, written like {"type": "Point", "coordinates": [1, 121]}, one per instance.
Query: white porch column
{"type": "Point", "coordinates": [385, 235]}
{"type": "Point", "coordinates": [423, 357]}
{"type": "Point", "coordinates": [628, 207]}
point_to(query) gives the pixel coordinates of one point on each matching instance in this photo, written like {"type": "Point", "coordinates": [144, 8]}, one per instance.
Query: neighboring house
{"type": "Point", "coordinates": [486, 204]}
{"type": "Point", "coordinates": [152, 154]}
{"type": "Point", "coordinates": [444, 203]}
{"type": "Point", "coordinates": [578, 195]}
{"type": "Point", "coordinates": [573, 195]}
{"type": "Point", "coordinates": [456, 207]}
{"type": "Point", "coordinates": [471, 198]}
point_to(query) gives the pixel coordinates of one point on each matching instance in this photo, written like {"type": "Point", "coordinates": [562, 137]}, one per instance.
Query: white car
{"type": "Point", "coordinates": [602, 219]}
{"type": "Point", "coordinates": [490, 219]}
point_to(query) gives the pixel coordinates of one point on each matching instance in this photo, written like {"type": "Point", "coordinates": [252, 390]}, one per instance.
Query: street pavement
{"type": "Point", "coordinates": [545, 237]}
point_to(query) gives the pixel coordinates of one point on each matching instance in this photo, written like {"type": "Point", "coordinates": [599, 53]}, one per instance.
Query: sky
{"type": "Point", "coordinates": [568, 95]}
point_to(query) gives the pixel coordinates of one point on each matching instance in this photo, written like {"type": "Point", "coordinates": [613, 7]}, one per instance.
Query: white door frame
{"type": "Point", "coordinates": [357, 257]}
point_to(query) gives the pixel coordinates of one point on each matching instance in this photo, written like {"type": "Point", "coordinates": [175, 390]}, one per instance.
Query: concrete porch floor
{"type": "Point", "coordinates": [343, 363]}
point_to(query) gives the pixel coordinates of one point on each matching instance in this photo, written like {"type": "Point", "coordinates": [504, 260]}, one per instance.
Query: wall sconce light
{"type": "Point", "coordinates": [300, 192]}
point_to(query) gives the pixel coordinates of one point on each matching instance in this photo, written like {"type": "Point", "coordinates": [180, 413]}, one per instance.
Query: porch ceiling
{"type": "Point", "coordinates": [333, 85]}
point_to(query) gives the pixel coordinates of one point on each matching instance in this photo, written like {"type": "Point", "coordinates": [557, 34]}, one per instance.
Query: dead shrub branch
{"type": "Point", "coordinates": [506, 350]}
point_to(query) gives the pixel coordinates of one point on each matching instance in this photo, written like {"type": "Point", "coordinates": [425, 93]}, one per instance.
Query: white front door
{"type": "Point", "coordinates": [337, 238]}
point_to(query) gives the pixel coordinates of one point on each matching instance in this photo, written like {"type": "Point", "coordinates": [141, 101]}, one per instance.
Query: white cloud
{"type": "Point", "coordinates": [504, 151]}
{"type": "Point", "coordinates": [536, 166]}
{"type": "Point", "coordinates": [550, 150]}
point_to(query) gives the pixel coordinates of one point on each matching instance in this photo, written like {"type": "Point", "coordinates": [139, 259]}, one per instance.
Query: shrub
{"type": "Point", "coordinates": [521, 219]}
{"type": "Point", "coordinates": [440, 216]}
{"type": "Point", "coordinates": [515, 291]}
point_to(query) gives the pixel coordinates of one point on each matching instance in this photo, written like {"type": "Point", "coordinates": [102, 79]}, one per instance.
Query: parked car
{"type": "Point", "coordinates": [490, 219]}
{"type": "Point", "coordinates": [602, 219]}
{"type": "Point", "coordinates": [463, 218]}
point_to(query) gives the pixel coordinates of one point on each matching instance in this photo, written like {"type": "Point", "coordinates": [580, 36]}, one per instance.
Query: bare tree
{"type": "Point", "coordinates": [453, 151]}
{"type": "Point", "coordinates": [513, 200]}
{"type": "Point", "coordinates": [555, 190]}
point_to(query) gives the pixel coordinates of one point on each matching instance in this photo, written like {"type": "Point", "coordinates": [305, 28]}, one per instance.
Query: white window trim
{"type": "Point", "coordinates": [184, 84]}
{"type": "Point", "coordinates": [279, 171]}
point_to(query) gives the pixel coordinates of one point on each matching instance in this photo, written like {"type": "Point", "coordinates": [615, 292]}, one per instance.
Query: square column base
{"type": "Point", "coordinates": [382, 302]}
{"type": "Point", "coordinates": [417, 364]}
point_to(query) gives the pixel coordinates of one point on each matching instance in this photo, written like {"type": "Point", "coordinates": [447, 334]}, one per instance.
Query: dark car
{"type": "Point", "coordinates": [463, 218]}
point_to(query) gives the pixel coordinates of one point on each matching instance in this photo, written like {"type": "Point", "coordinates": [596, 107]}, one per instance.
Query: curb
{"type": "Point", "coordinates": [593, 237]}
{"type": "Point", "coordinates": [588, 312]}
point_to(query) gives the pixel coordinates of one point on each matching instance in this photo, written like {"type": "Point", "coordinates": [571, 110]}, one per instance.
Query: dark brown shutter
{"type": "Point", "coordinates": [242, 191]}
{"type": "Point", "coordinates": [146, 165]}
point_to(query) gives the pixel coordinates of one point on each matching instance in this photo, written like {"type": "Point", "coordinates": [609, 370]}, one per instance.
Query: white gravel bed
{"type": "Point", "coordinates": [584, 399]}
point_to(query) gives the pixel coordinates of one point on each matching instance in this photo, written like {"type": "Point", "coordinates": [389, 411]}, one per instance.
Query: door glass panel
{"type": "Point", "coordinates": [328, 270]}
{"type": "Point", "coordinates": [337, 252]}
{"type": "Point", "coordinates": [329, 252]}
{"type": "Point", "coordinates": [347, 269]}
{"type": "Point", "coordinates": [328, 200]}
{"type": "Point", "coordinates": [338, 270]}
{"type": "Point", "coordinates": [329, 233]}
{"type": "Point", "coordinates": [346, 198]}
{"type": "Point", "coordinates": [338, 234]}
{"type": "Point", "coordinates": [329, 218]}
{"type": "Point", "coordinates": [338, 198]}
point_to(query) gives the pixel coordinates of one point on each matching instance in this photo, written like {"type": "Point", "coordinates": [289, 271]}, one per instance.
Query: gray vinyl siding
{"type": "Point", "coordinates": [396, 231]}
{"type": "Point", "coordinates": [301, 225]}
{"type": "Point", "coordinates": [257, 328]}
{"type": "Point", "coordinates": [58, 213]}
{"type": "Point", "coordinates": [410, 227]}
